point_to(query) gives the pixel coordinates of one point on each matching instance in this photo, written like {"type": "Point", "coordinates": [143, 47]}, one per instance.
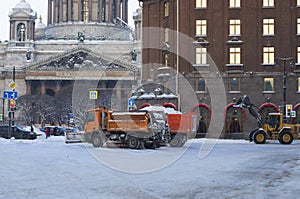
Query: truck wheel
{"type": "Point", "coordinates": [176, 141]}
{"type": "Point", "coordinates": [251, 134]}
{"type": "Point", "coordinates": [259, 137]}
{"type": "Point", "coordinates": [133, 142]}
{"type": "Point", "coordinates": [96, 140]}
{"type": "Point", "coordinates": [285, 137]}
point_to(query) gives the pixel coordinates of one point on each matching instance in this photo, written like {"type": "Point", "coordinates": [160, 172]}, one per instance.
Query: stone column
{"type": "Point", "coordinates": [58, 86]}
{"type": "Point", "coordinates": [117, 8]}
{"type": "Point", "coordinates": [100, 10]}
{"type": "Point", "coordinates": [54, 12]}
{"type": "Point", "coordinates": [123, 10]}
{"type": "Point", "coordinates": [70, 8]}
{"type": "Point", "coordinates": [43, 87]}
{"type": "Point", "coordinates": [119, 96]}
{"type": "Point", "coordinates": [91, 11]}
{"type": "Point", "coordinates": [109, 11]}
{"type": "Point", "coordinates": [79, 10]}
{"type": "Point", "coordinates": [28, 87]}
{"type": "Point", "coordinates": [61, 11]}
{"type": "Point", "coordinates": [12, 31]}
{"type": "Point", "coordinates": [126, 11]}
{"type": "Point", "coordinates": [28, 30]}
{"type": "Point", "coordinates": [50, 14]}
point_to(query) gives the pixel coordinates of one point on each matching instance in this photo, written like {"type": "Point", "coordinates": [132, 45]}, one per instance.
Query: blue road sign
{"type": "Point", "coordinates": [131, 104]}
{"type": "Point", "coordinates": [10, 94]}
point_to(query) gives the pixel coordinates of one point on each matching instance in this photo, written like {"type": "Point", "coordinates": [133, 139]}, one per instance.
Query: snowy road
{"type": "Point", "coordinates": [234, 169]}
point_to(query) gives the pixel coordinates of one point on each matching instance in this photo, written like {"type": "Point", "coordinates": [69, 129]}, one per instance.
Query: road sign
{"type": "Point", "coordinates": [10, 94]}
{"type": "Point", "coordinates": [131, 104]}
{"type": "Point", "coordinates": [12, 85]}
{"type": "Point", "coordinates": [93, 94]}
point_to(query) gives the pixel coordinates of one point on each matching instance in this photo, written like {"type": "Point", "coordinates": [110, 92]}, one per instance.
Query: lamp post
{"type": "Point", "coordinates": [177, 55]}
{"type": "Point", "coordinates": [277, 63]}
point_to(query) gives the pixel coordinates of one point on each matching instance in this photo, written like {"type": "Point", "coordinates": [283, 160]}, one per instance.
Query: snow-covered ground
{"type": "Point", "coordinates": [49, 168]}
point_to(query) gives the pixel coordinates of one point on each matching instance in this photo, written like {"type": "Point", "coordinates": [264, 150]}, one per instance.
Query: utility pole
{"type": "Point", "coordinates": [11, 104]}
{"type": "Point", "coordinates": [292, 63]}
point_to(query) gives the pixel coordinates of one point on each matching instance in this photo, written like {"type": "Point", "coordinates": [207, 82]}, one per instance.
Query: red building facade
{"type": "Point", "coordinates": [252, 44]}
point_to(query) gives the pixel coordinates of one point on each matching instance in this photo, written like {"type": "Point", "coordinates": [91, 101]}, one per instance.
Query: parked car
{"type": "Point", "coordinates": [35, 129]}
{"type": "Point", "coordinates": [73, 135]}
{"type": "Point", "coordinates": [17, 132]}
{"type": "Point", "coordinates": [54, 130]}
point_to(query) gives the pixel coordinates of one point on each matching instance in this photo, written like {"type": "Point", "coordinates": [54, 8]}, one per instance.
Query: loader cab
{"type": "Point", "coordinates": [274, 122]}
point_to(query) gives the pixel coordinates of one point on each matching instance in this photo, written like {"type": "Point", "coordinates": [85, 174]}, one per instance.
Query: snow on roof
{"type": "Point", "coordinates": [161, 109]}
{"type": "Point", "coordinates": [128, 113]}
{"type": "Point", "coordinates": [152, 95]}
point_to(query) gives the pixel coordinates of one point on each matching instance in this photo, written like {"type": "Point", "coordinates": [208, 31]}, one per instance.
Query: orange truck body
{"type": "Point", "coordinates": [182, 123]}
{"type": "Point", "coordinates": [137, 129]}
{"type": "Point", "coordinates": [128, 122]}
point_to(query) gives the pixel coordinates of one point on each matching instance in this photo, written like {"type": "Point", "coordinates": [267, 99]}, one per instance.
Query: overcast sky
{"type": "Point", "coordinates": [41, 9]}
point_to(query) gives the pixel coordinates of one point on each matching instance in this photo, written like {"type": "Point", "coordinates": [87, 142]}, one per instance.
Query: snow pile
{"type": "Point", "coordinates": [49, 168]}
{"type": "Point", "coordinates": [162, 109]}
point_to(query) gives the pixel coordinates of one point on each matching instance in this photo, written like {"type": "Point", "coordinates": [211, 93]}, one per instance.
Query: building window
{"type": "Point", "coordinates": [85, 10]}
{"type": "Point", "coordinates": [166, 59]}
{"type": "Point", "coordinates": [234, 84]}
{"type": "Point", "coordinates": [298, 55]}
{"type": "Point", "coordinates": [268, 27]}
{"type": "Point", "coordinates": [268, 3]}
{"type": "Point", "coordinates": [166, 9]}
{"type": "Point", "coordinates": [200, 86]}
{"type": "Point", "coordinates": [269, 84]}
{"type": "Point", "coordinates": [234, 27]}
{"type": "Point", "coordinates": [21, 30]}
{"type": "Point", "coordinates": [201, 3]}
{"type": "Point", "coordinates": [166, 35]}
{"type": "Point", "coordinates": [234, 55]}
{"type": "Point", "coordinates": [298, 25]}
{"type": "Point", "coordinates": [298, 2]}
{"type": "Point", "coordinates": [268, 55]}
{"type": "Point", "coordinates": [201, 56]}
{"type": "Point", "coordinates": [234, 3]}
{"type": "Point", "coordinates": [201, 27]}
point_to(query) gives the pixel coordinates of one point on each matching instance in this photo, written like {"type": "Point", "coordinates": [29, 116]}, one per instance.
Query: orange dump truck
{"type": "Point", "coordinates": [141, 129]}
{"type": "Point", "coordinates": [132, 129]}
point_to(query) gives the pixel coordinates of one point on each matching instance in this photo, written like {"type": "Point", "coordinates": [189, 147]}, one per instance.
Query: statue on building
{"type": "Point", "coordinates": [28, 55]}
{"type": "Point", "coordinates": [81, 37]}
{"type": "Point", "coordinates": [133, 55]}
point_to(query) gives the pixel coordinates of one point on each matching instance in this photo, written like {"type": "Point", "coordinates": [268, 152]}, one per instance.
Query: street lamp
{"type": "Point", "coordinates": [277, 63]}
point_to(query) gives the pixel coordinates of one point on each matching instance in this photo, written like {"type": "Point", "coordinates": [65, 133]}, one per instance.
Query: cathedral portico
{"type": "Point", "coordinates": [50, 60]}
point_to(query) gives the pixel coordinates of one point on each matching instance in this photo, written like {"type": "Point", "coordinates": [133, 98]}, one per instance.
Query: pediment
{"type": "Point", "coordinates": [21, 14]}
{"type": "Point", "coordinates": [81, 59]}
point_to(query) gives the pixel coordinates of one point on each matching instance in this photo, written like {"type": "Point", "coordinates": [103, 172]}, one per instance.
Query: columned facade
{"type": "Point", "coordinates": [52, 62]}
{"type": "Point", "coordinates": [60, 11]}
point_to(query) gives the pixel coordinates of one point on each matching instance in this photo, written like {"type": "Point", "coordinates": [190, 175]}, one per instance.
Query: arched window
{"type": "Point", "coordinates": [234, 120]}
{"type": "Point", "coordinates": [204, 116]}
{"type": "Point", "coordinates": [21, 30]}
{"type": "Point", "coordinates": [267, 108]}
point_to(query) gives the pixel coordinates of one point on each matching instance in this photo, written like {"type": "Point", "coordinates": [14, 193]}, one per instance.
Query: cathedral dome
{"type": "Point", "coordinates": [40, 24]}
{"type": "Point", "coordinates": [23, 5]}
